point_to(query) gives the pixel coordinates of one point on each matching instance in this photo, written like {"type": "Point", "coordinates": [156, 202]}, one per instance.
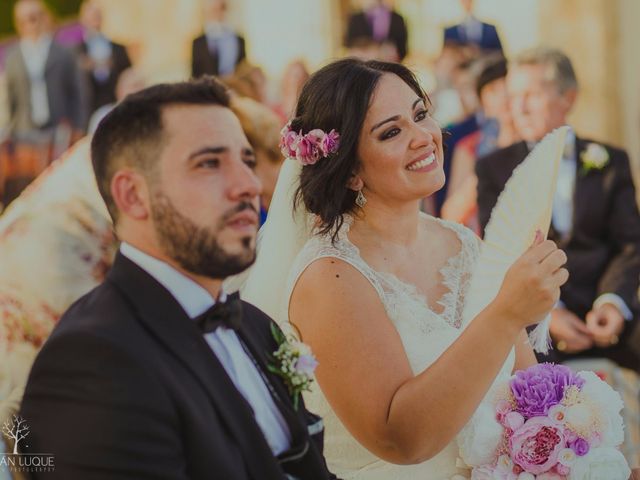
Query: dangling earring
{"type": "Point", "coordinates": [360, 199]}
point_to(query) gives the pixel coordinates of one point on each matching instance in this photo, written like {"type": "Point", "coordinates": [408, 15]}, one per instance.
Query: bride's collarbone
{"type": "Point", "coordinates": [420, 265]}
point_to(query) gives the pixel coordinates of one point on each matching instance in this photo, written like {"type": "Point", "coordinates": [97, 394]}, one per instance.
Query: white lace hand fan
{"type": "Point", "coordinates": [523, 207]}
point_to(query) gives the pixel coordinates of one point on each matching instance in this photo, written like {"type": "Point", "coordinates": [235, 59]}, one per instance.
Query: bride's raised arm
{"type": "Point", "coordinates": [364, 371]}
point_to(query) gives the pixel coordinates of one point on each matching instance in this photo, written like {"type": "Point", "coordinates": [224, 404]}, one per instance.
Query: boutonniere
{"type": "Point", "coordinates": [594, 157]}
{"type": "Point", "coordinates": [294, 363]}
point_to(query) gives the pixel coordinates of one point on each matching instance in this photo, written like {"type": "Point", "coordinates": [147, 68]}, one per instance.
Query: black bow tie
{"type": "Point", "coordinates": [227, 314]}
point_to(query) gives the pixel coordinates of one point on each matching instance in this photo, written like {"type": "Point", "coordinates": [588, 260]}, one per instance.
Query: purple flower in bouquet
{"type": "Point", "coordinates": [540, 387]}
{"type": "Point", "coordinates": [580, 447]}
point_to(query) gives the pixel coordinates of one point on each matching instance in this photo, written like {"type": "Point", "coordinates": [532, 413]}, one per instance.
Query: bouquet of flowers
{"type": "Point", "coordinates": [547, 423]}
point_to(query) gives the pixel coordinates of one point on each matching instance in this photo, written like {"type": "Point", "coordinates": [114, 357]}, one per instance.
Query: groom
{"type": "Point", "coordinates": [157, 373]}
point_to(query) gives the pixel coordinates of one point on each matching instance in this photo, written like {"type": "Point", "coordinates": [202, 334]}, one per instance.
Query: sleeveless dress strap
{"type": "Point", "coordinates": [321, 247]}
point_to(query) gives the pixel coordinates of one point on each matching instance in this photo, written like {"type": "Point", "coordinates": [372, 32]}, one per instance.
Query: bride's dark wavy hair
{"type": "Point", "coordinates": [337, 97]}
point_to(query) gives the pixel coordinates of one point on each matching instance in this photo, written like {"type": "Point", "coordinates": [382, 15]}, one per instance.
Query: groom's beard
{"type": "Point", "coordinates": [195, 248]}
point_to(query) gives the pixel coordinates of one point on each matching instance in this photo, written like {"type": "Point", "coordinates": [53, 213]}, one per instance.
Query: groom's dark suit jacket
{"type": "Point", "coordinates": [603, 247]}
{"type": "Point", "coordinates": [127, 387]}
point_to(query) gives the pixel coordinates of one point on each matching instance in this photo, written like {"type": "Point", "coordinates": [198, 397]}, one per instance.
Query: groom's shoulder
{"type": "Point", "coordinates": [100, 310]}
{"type": "Point", "coordinates": [101, 319]}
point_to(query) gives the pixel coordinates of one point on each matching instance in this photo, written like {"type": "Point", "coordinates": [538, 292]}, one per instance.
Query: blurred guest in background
{"type": "Point", "coordinates": [262, 128]}
{"type": "Point", "coordinates": [46, 95]}
{"type": "Point", "coordinates": [463, 82]}
{"type": "Point", "coordinates": [249, 81]}
{"type": "Point", "coordinates": [129, 81]}
{"type": "Point", "coordinates": [380, 23]}
{"type": "Point", "coordinates": [595, 217]}
{"type": "Point", "coordinates": [101, 59]}
{"type": "Point", "coordinates": [294, 76]}
{"type": "Point", "coordinates": [496, 130]}
{"type": "Point", "coordinates": [219, 50]}
{"type": "Point", "coordinates": [595, 220]}
{"type": "Point", "coordinates": [445, 98]}
{"type": "Point", "coordinates": [472, 31]}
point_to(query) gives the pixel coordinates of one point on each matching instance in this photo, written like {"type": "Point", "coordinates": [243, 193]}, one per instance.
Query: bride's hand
{"type": "Point", "coordinates": [531, 286]}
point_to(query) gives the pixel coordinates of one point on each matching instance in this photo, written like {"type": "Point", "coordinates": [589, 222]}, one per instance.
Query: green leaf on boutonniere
{"type": "Point", "coordinates": [277, 334]}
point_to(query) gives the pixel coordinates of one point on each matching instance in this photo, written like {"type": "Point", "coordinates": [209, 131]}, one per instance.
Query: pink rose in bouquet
{"type": "Point", "coordinates": [535, 446]}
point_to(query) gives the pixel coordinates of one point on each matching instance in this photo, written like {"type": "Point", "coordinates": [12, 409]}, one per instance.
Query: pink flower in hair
{"type": "Point", "coordinates": [316, 135]}
{"type": "Point", "coordinates": [288, 142]}
{"type": "Point", "coordinates": [310, 147]}
{"type": "Point", "coordinates": [307, 151]}
{"type": "Point", "coordinates": [330, 143]}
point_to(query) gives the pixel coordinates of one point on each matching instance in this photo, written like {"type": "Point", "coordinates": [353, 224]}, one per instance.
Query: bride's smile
{"type": "Point", "coordinates": [424, 163]}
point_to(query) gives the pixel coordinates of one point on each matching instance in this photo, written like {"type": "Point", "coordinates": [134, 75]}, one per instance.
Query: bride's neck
{"type": "Point", "coordinates": [391, 225]}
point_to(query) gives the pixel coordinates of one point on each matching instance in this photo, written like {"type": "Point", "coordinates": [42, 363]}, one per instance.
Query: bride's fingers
{"type": "Point", "coordinates": [560, 277]}
{"type": "Point", "coordinates": [537, 239]}
{"type": "Point", "coordinates": [541, 251]}
{"type": "Point", "coordinates": [554, 261]}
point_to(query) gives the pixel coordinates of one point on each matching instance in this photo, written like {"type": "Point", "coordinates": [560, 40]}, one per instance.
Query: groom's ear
{"type": "Point", "coordinates": [130, 193]}
{"type": "Point", "coordinates": [355, 183]}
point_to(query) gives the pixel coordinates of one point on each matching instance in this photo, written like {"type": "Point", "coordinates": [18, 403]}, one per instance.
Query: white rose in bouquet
{"type": "Point", "coordinates": [600, 464]}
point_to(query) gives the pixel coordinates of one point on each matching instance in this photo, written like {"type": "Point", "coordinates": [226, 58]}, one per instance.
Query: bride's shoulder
{"type": "Point", "coordinates": [329, 272]}
{"type": "Point", "coordinates": [324, 258]}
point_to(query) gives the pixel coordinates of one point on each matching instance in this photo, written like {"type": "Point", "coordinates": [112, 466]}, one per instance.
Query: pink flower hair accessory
{"type": "Point", "coordinates": [310, 147]}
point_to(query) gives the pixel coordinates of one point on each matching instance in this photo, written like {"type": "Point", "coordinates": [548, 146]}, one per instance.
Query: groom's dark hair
{"type": "Point", "coordinates": [132, 133]}
{"type": "Point", "coordinates": [338, 97]}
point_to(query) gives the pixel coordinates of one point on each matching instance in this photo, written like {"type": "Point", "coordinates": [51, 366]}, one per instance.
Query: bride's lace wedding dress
{"type": "Point", "coordinates": [425, 336]}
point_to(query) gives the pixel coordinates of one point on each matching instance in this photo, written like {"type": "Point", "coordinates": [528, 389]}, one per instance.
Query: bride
{"type": "Point", "coordinates": [378, 288]}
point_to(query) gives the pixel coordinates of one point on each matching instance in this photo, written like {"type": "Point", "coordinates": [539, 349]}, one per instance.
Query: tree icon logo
{"type": "Point", "coordinates": [16, 429]}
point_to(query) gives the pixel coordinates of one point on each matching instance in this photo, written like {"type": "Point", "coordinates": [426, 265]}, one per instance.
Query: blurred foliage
{"type": "Point", "coordinates": [62, 9]}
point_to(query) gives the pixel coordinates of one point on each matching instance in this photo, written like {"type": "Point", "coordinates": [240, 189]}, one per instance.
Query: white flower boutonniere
{"type": "Point", "coordinates": [594, 157]}
{"type": "Point", "coordinates": [294, 363]}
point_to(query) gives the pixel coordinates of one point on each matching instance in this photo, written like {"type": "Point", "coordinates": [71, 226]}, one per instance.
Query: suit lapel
{"type": "Point", "coordinates": [279, 392]}
{"type": "Point", "coordinates": [584, 184]}
{"type": "Point", "coordinates": [52, 57]}
{"type": "Point", "coordinates": [212, 57]}
{"type": "Point", "coordinates": [515, 157]}
{"type": "Point", "coordinates": [22, 65]}
{"type": "Point", "coordinates": [165, 320]}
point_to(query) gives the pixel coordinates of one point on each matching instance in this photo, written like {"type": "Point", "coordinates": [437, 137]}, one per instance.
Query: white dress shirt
{"type": "Point", "coordinates": [563, 209]}
{"type": "Point", "coordinates": [225, 42]}
{"type": "Point", "coordinates": [224, 343]}
{"type": "Point", "coordinates": [472, 29]}
{"type": "Point", "coordinates": [35, 56]}
{"type": "Point", "coordinates": [99, 50]}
